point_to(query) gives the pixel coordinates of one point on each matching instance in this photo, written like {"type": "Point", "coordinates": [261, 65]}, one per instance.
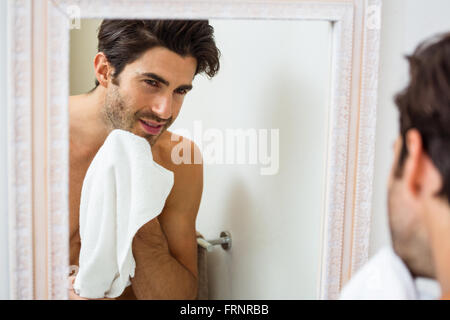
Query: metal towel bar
{"type": "Point", "coordinates": [224, 241]}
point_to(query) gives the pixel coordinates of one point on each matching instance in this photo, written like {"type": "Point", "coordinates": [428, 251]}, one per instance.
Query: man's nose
{"type": "Point", "coordinates": [162, 106]}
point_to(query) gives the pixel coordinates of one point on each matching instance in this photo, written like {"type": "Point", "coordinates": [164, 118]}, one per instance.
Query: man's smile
{"type": "Point", "coordinates": [151, 127]}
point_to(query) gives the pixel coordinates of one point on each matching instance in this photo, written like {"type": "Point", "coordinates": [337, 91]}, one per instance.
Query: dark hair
{"type": "Point", "coordinates": [124, 41]}
{"type": "Point", "coordinates": [425, 105]}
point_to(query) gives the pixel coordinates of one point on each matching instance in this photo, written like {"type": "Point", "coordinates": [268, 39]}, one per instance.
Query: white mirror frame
{"type": "Point", "coordinates": [38, 134]}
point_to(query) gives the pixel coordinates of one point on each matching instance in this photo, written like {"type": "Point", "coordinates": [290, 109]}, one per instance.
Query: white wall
{"type": "Point", "coordinates": [275, 74]}
{"type": "Point", "coordinates": [405, 23]}
{"type": "Point", "coordinates": [4, 268]}
{"type": "Point", "coordinates": [83, 48]}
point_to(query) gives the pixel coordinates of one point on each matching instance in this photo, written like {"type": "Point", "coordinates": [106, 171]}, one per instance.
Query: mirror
{"type": "Point", "coordinates": [296, 95]}
{"type": "Point", "coordinates": [261, 123]}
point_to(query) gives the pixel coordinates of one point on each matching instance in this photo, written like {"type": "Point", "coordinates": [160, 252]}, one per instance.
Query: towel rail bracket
{"type": "Point", "coordinates": [224, 241]}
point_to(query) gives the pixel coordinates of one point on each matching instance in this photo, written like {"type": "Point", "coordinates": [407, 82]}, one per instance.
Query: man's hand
{"type": "Point", "coordinates": [74, 296]}
{"type": "Point", "coordinates": [158, 275]}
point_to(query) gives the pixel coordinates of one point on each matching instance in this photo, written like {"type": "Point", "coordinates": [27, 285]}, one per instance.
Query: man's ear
{"type": "Point", "coordinates": [422, 178]}
{"type": "Point", "coordinates": [103, 69]}
{"type": "Point", "coordinates": [413, 166]}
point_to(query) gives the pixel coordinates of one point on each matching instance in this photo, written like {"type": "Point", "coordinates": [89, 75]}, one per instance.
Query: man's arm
{"type": "Point", "coordinates": [165, 248]}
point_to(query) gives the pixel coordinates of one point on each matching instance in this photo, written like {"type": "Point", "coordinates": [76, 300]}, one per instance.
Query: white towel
{"type": "Point", "coordinates": [122, 190]}
{"type": "Point", "coordinates": [383, 277]}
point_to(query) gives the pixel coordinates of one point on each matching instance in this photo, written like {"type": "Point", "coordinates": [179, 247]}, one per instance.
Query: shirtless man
{"type": "Point", "coordinates": [144, 69]}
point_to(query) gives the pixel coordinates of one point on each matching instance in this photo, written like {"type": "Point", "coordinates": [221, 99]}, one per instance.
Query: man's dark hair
{"type": "Point", "coordinates": [124, 41]}
{"type": "Point", "coordinates": [425, 105]}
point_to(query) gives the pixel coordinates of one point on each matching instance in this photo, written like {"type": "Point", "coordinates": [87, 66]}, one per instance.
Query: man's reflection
{"type": "Point", "coordinates": [144, 69]}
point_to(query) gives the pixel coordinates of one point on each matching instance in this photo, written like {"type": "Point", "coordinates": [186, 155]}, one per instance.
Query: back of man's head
{"type": "Point", "coordinates": [425, 105]}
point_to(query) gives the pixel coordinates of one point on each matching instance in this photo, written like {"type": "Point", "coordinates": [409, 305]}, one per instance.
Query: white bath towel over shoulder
{"type": "Point", "coordinates": [383, 277]}
{"type": "Point", "coordinates": [123, 189]}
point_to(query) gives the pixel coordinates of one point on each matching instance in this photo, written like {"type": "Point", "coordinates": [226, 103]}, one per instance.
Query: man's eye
{"type": "Point", "coordinates": [181, 91]}
{"type": "Point", "coordinates": [152, 83]}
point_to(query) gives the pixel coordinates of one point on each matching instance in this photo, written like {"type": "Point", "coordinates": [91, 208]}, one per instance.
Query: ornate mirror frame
{"type": "Point", "coordinates": [38, 135]}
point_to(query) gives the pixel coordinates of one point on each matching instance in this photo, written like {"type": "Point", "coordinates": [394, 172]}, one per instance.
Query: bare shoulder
{"type": "Point", "coordinates": [183, 157]}
{"type": "Point", "coordinates": [179, 153]}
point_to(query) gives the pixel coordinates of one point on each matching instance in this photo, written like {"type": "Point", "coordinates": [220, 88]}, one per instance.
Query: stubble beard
{"type": "Point", "coordinates": [117, 115]}
{"type": "Point", "coordinates": [407, 240]}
